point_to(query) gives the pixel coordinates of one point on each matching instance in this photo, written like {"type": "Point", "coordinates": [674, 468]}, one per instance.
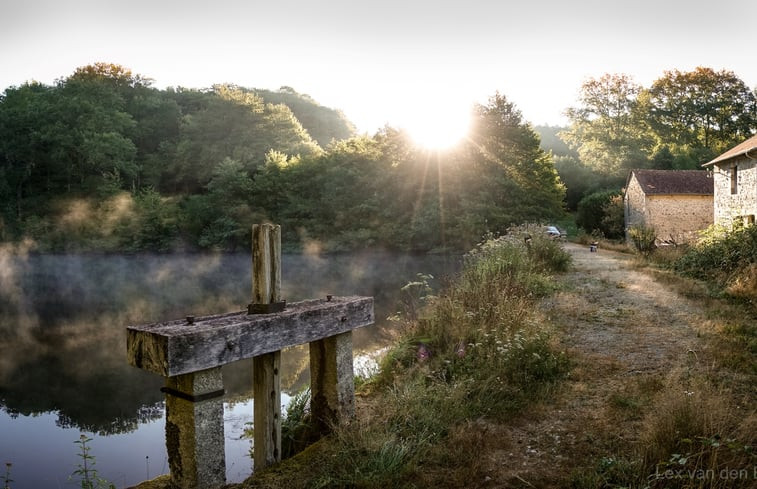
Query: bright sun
{"type": "Point", "coordinates": [438, 130]}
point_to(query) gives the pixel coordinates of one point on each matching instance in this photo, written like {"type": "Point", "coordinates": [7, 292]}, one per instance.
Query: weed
{"type": "Point", "coordinates": [297, 430]}
{"type": "Point", "coordinates": [7, 477]}
{"type": "Point", "coordinates": [691, 436]}
{"type": "Point", "coordinates": [85, 472]}
{"type": "Point", "coordinates": [609, 472]}
{"type": "Point", "coordinates": [296, 427]}
{"type": "Point", "coordinates": [643, 239]}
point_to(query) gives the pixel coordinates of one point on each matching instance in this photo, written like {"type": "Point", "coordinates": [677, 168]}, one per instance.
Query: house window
{"type": "Point", "coordinates": [749, 220]}
{"type": "Point", "coordinates": [734, 180]}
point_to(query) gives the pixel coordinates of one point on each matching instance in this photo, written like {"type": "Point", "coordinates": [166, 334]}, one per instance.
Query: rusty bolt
{"type": "Point", "coordinates": [328, 298]}
{"type": "Point", "coordinates": [190, 319]}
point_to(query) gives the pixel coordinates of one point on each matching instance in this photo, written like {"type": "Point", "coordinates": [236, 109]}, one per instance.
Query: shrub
{"type": "Point", "coordinates": [595, 213]}
{"type": "Point", "coordinates": [643, 239]}
{"type": "Point", "coordinates": [721, 256]}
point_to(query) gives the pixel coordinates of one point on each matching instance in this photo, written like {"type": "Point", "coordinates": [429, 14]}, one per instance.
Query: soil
{"type": "Point", "coordinates": [625, 332]}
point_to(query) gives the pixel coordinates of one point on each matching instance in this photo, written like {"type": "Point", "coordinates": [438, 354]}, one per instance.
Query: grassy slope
{"type": "Point", "coordinates": [475, 355]}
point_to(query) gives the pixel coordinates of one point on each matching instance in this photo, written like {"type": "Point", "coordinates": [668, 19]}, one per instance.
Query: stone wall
{"type": "Point", "coordinates": [675, 218]}
{"type": "Point", "coordinates": [679, 218]}
{"type": "Point", "coordinates": [730, 207]}
{"type": "Point", "coordinates": [634, 203]}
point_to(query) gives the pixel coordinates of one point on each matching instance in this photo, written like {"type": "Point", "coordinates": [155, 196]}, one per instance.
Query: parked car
{"type": "Point", "coordinates": [554, 233]}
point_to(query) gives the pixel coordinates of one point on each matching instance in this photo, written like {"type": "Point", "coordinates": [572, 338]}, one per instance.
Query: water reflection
{"type": "Point", "coordinates": [63, 319]}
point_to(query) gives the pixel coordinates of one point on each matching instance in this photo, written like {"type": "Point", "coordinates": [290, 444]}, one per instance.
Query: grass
{"type": "Point", "coordinates": [475, 355]}
{"type": "Point", "coordinates": [603, 243]}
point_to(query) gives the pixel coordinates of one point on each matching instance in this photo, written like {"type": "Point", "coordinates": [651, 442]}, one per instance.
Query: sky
{"type": "Point", "coordinates": [404, 63]}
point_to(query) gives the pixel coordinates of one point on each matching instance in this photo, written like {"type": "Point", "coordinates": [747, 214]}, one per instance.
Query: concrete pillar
{"type": "Point", "coordinates": [332, 380]}
{"type": "Point", "coordinates": [194, 429]}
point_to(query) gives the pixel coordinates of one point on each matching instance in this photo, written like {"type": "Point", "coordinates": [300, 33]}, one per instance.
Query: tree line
{"type": "Point", "coordinates": [101, 160]}
{"type": "Point", "coordinates": [680, 121]}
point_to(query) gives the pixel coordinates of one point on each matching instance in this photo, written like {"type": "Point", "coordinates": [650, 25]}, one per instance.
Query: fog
{"type": "Point", "coordinates": [63, 322]}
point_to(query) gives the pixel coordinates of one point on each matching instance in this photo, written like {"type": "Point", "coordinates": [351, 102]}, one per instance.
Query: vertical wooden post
{"type": "Point", "coordinates": [194, 429]}
{"type": "Point", "coordinates": [267, 409]}
{"type": "Point", "coordinates": [266, 297]}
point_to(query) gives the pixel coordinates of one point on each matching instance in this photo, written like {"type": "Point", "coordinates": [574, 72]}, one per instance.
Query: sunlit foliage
{"type": "Point", "coordinates": [195, 169]}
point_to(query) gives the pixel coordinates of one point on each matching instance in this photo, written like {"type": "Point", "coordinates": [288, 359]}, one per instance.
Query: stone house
{"type": "Point", "coordinates": [676, 203]}
{"type": "Point", "coordinates": [735, 176]}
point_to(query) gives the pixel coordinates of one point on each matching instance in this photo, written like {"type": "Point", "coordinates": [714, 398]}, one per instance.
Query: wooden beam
{"type": "Point", "coordinates": [178, 347]}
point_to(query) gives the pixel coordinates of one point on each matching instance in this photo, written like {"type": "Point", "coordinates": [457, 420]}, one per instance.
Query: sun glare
{"type": "Point", "coordinates": [438, 131]}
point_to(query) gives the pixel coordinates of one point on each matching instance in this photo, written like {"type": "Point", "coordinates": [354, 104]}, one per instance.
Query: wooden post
{"type": "Point", "coordinates": [266, 298]}
{"type": "Point", "coordinates": [267, 409]}
{"type": "Point", "coordinates": [194, 429]}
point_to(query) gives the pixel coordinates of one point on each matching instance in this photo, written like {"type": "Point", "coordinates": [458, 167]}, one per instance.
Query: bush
{"type": "Point", "coordinates": [598, 212]}
{"type": "Point", "coordinates": [721, 256]}
{"type": "Point", "coordinates": [643, 239]}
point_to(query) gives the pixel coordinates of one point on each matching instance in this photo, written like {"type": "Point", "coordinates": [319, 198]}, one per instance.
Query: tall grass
{"type": "Point", "coordinates": [477, 351]}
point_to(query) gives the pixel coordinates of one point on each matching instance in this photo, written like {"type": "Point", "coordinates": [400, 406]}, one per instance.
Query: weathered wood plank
{"type": "Point", "coordinates": [275, 245]}
{"type": "Point", "coordinates": [176, 347]}
{"type": "Point", "coordinates": [261, 264]}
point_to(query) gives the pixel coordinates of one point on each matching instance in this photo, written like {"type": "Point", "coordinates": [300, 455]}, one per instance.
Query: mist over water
{"type": "Point", "coordinates": [63, 366]}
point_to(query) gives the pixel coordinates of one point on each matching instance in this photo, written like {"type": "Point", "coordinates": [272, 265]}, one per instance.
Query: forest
{"type": "Point", "coordinates": [103, 161]}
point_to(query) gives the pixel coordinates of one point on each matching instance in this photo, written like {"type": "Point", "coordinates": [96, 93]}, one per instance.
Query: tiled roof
{"type": "Point", "coordinates": [656, 182]}
{"type": "Point", "coordinates": [743, 148]}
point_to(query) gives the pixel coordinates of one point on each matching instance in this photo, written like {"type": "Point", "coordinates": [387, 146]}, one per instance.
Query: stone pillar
{"type": "Point", "coordinates": [332, 380]}
{"type": "Point", "coordinates": [194, 429]}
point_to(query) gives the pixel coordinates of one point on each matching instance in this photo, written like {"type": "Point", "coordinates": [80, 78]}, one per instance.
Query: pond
{"type": "Point", "coordinates": [63, 369]}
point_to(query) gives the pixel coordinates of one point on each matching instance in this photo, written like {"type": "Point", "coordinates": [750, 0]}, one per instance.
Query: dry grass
{"type": "Point", "coordinates": [694, 434]}
{"type": "Point", "coordinates": [743, 283]}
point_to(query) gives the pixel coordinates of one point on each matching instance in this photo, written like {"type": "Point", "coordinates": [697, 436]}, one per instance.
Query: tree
{"type": "Point", "coordinates": [91, 132]}
{"type": "Point", "coordinates": [229, 209]}
{"type": "Point", "coordinates": [516, 180]}
{"type": "Point", "coordinates": [24, 149]}
{"type": "Point", "coordinates": [233, 123]}
{"type": "Point", "coordinates": [579, 179]}
{"type": "Point", "coordinates": [322, 123]}
{"type": "Point", "coordinates": [607, 128]}
{"type": "Point", "coordinates": [599, 211]}
{"type": "Point", "coordinates": [700, 113]}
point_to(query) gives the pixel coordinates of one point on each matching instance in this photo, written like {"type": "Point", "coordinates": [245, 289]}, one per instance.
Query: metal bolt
{"type": "Point", "coordinates": [190, 319]}
{"type": "Point", "coordinates": [328, 298]}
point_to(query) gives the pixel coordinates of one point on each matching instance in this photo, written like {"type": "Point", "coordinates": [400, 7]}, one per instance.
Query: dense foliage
{"type": "Point", "coordinates": [725, 257]}
{"type": "Point", "coordinates": [683, 119]}
{"type": "Point", "coordinates": [601, 213]}
{"type": "Point", "coordinates": [103, 161]}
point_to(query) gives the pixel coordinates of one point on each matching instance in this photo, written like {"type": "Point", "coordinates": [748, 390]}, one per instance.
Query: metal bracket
{"type": "Point", "coordinates": [266, 308]}
{"type": "Point", "coordinates": [193, 398]}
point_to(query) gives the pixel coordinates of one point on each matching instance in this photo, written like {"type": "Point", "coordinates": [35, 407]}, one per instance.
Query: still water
{"type": "Point", "coordinates": [63, 369]}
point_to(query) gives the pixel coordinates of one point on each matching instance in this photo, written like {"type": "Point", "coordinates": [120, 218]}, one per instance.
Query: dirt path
{"type": "Point", "coordinates": [625, 332]}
